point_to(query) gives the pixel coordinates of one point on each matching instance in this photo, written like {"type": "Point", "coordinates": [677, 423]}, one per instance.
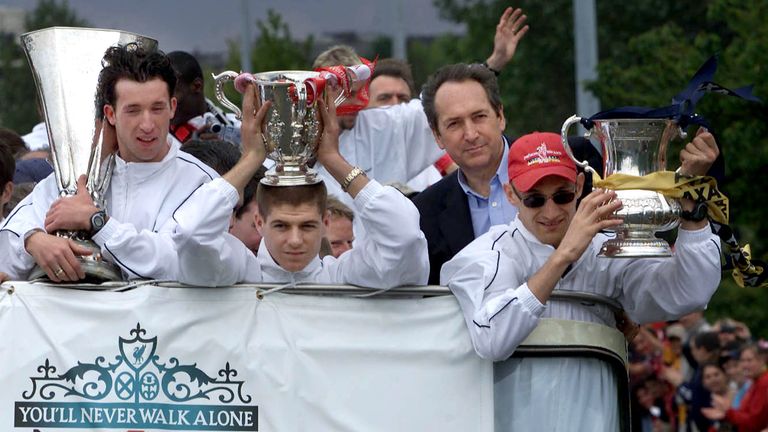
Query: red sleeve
{"type": "Point", "coordinates": [443, 163]}
{"type": "Point", "coordinates": [752, 415]}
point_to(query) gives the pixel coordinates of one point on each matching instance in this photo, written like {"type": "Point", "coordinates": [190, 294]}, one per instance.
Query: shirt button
{"type": "Point", "coordinates": [494, 204]}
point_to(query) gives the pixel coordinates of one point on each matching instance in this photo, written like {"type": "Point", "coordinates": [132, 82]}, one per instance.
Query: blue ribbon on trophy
{"type": "Point", "coordinates": [683, 104]}
{"type": "Point", "coordinates": [746, 271]}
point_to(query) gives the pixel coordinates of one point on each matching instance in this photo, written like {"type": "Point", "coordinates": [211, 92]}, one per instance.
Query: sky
{"type": "Point", "coordinates": [206, 25]}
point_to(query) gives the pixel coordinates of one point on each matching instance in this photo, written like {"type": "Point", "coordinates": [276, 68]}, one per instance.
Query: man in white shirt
{"type": "Point", "coordinates": [292, 220]}
{"type": "Point", "coordinates": [503, 281]}
{"type": "Point", "coordinates": [150, 180]}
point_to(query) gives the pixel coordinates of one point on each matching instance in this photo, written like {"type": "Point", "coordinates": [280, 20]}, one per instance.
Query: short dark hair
{"type": "Point", "coordinates": [708, 340]}
{"type": "Point", "coordinates": [458, 73]}
{"type": "Point", "coordinates": [395, 68]}
{"type": "Point", "coordinates": [217, 154]}
{"type": "Point", "coordinates": [7, 165]}
{"type": "Point", "coordinates": [134, 62]}
{"type": "Point", "coordinates": [186, 66]}
{"type": "Point", "coordinates": [14, 141]}
{"type": "Point", "coordinates": [270, 196]}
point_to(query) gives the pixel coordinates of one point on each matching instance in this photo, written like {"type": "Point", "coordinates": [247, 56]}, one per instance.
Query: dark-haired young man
{"type": "Point", "coordinates": [292, 220]}
{"type": "Point", "coordinates": [150, 180]}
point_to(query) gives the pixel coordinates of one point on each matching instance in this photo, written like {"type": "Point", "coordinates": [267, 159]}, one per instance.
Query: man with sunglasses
{"type": "Point", "coordinates": [503, 281]}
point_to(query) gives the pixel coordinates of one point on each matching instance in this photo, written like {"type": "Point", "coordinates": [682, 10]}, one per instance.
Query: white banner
{"type": "Point", "coordinates": [196, 359]}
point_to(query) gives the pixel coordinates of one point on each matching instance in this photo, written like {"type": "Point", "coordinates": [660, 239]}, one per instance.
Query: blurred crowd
{"type": "Point", "coordinates": [692, 375]}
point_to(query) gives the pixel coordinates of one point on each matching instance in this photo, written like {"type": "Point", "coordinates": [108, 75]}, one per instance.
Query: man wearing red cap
{"type": "Point", "coordinates": [503, 281]}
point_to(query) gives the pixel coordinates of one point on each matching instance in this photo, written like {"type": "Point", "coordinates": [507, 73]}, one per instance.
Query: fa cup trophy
{"type": "Point", "coordinates": [292, 129]}
{"type": "Point", "coordinates": [66, 63]}
{"type": "Point", "coordinates": [635, 147]}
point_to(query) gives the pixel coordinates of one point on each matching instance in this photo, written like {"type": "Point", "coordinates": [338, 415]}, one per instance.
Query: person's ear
{"type": "Point", "coordinates": [511, 195]}
{"type": "Point", "coordinates": [5, 194]}
{"type": "Point", "coordinates": [173, 106]}
{"type": "Point", "coordinates": [502, 119]}
{"type": "Point", "coordinates": [109, 113]}
{"type": "Point", "coordinates": [259, 224]}
{"type": "Point", "coordinates": [579, 184]}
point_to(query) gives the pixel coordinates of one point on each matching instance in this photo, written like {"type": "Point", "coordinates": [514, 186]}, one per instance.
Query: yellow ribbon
{"type": "Point", "coordinates": [673, 185]}
{"type": "Point", "coordinates": [702, 189]}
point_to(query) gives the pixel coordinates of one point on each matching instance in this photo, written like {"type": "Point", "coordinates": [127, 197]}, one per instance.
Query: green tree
{"type": "Point", "coordinates": [17, 89]}
{"type": "Point", "coordinates": [274, 49]}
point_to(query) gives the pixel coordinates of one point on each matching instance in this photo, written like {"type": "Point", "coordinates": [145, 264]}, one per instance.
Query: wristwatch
{"type": "Point", "coordinates": [98, 219]}
{"type": "Point", "coordinates": [698, 214]}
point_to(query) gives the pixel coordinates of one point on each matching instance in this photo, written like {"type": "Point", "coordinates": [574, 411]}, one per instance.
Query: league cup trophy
{"type": "Point", "coordinates": [635, 147]}
{"type": "Point", "coordinates": [292, 129]}
{"type": "Point", "coordinates": [66, 63]}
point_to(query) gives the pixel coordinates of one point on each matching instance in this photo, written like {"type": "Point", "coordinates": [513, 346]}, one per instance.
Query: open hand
{"type": "Point", "coordinates": [329, 140]}
{"type": "Point", "coordinates": [254, 115]}
{"type": "Point", "coordinates": [509, 32]}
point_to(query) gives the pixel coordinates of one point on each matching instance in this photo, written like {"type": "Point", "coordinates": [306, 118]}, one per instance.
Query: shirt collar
{"type": "Point", "coordinates": [274, 273]}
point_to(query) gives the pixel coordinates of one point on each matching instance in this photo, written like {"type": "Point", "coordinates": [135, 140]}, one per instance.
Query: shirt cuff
{"type": "Point", "coordinates": [106, 232]}
{"type": "Point", "coordinates": [529, 301]}
{"type": "Point", "coordinates": [367, 193]}
{"type": "Point", "coordinates": [226, 190]}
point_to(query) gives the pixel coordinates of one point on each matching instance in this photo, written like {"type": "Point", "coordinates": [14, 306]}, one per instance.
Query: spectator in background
{"type": "Point", "coordinates": [7, 169]}
{"type": "Point", "coordinates": [737, 377]}
{"type": "Point", "coordinates": [219, 155]}
{"type": "Point", "coordinates": [392, 84]}
{"type": "Point", "coordinates": [339, 231]}
{"type": "Point", "coordinates": [243, 223]}
{"type": "Point", "coordinates": [752, 414]}
{"type": "Point", "coordinates": [693, 396]}
{"type": "Point", "coordinates": [195, 115]}
{"type": "Point", "coordinates": [14, 142]}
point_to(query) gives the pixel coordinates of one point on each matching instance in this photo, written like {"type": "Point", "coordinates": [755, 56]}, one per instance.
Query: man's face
{"type": "Point", "coordinates": [550, 221]}
{"type": "Point", "coordinates": [468, 128]}
{"type": "Point", "coordinates": [292, 234]}
{"type": "Point", "coordinates": [141, 117]}
{"type": "Point", "coordinates": [388, 90]}
{"type": "Point", "coordinates": [244, 227]}
{"type": "Point", "coordinates": [340, 235]}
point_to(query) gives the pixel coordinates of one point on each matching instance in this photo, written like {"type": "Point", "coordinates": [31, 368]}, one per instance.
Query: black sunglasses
{"type": "Point", "coordinates": [536, 200]}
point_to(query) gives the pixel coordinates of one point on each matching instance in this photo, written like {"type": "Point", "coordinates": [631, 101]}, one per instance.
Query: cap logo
{"type": "Point", "coordinates": [542, 155]}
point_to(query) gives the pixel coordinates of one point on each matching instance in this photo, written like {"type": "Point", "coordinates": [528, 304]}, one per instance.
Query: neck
{"type": "Point", "coordinates": [480, 180]}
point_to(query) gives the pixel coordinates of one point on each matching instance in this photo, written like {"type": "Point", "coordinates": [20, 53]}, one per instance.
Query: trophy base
{"type": "Point", "coordinates": [635, 248]}
{"type": "Point", "coordinates": [95, 268]}
{"type": "Point", "coordinates": [291, 176]}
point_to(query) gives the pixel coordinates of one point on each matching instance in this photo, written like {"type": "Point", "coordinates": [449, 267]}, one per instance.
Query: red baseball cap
{"type": "Point", "coordinates": [537, 155]}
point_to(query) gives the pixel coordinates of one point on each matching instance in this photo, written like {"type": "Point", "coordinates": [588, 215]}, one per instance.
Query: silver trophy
{"type": "Point", "coordinates": [292, 129]}
{"type": "Point", "coordinates": [635, 147]}
{"type": "Point", "coordinates": [66, 63]}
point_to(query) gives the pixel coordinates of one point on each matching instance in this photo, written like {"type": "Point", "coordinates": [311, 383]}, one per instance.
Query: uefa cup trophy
{"type": "Point", "coordinates": [634, 147]}
{"type": "Point", "coordinates": [292, 129]}
{"type": "Point", "coordinates": [66, 63]}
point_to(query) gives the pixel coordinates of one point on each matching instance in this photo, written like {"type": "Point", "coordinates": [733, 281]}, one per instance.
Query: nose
{"type": "Point", "coordinates": [470, 131]}
{"type": "Point", "coordinates": [146, 124]}
{"type": "Point", "coordinates": [294, 238]}
{"type": "Point", "coordinates": [550, 208]}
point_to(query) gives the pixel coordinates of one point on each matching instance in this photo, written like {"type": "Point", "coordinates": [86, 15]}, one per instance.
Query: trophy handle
{"type": "Point", "coordinates": [220, 79]}
{"type": "Point", "coordinates": [564, 136]}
